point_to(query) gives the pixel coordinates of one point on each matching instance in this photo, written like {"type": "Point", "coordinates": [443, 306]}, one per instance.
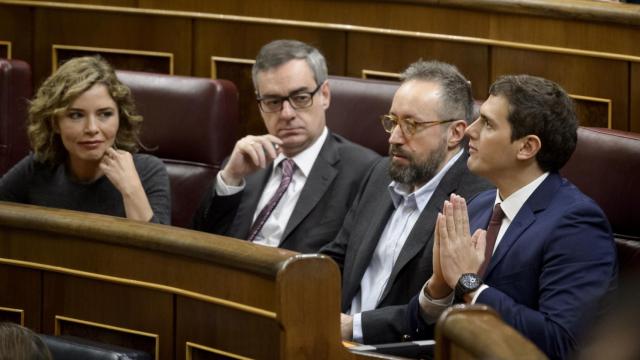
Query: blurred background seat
{"type": "Point", "coordinates": [191, 124]}
{"type": "Point", "coordinates": [15, 92]}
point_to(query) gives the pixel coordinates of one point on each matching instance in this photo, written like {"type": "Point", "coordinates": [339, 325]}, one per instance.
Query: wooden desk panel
{"type": "Point", "coordinates": [383, 14]}
{"type": "Point", "coordinates": [128, 309]}
{"type": "Point", "coordinates": [584, 76]}
{"type": "Point", "coordinates": [586, 35]}
{"type": "Point", "coordinates": [394, 54]}
{"type": "Point", "coordinates": [16, 26]}
{"type": "Point", "coordinates": [109, 30]}
{"type": "Point", "coordinates": [244, 40]}
{"type": "Point", "coordinates": [104, 277]}
{"type": "Point", "coordinates": [225, 330]}
{"type": "Point", "coordinates": [634, 98]}
{"type": "Point", "coordinates": [21, 290]}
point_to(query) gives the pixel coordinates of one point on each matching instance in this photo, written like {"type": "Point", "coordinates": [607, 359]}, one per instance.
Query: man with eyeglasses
{"type": "Point", "coordinates": [384, 248]}
{"type": "Point", "coordinates": [292, 187]}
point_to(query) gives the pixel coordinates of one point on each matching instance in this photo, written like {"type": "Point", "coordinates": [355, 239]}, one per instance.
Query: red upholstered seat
{"type": "Point", "coordinates": [191, 124]}
{"type": "Point", "coordinates": [356, 107]}
{"type": "Point", "coordinates": [15, 91]}
{"type": "Point", "coordinates": [606, 166]}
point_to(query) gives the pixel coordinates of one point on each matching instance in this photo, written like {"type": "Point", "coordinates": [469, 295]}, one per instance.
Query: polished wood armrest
{"type": "Point", "coordinates": [477, 332]}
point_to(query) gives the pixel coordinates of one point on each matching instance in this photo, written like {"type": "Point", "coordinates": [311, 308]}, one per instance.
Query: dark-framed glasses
{"type": "Point", "coordinates": [297, 100]}
{"type": "Point", "coordinates": [408, 127]}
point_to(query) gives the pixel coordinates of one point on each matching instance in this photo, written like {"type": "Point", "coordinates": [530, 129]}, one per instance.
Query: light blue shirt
{"type": "Point", "coordinates": [408, 207]}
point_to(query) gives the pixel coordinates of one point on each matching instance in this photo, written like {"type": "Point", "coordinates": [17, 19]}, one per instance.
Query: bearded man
{"type": "Point", "coordinates": [384, 248]}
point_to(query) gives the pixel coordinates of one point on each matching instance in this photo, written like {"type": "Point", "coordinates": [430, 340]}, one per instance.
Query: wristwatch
{"type": "Point", "coordinates": [467, 283]}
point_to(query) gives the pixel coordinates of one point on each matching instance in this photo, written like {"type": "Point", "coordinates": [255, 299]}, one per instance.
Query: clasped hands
{"type": "Point", "coordinates": [250, 154]}
{"type": "Point", "coordinates": [455, 250]}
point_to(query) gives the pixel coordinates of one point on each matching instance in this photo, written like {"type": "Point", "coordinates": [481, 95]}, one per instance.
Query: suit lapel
{"type": "Point", "coordinates": [321, 176]}
{"type": "Point", "coordinates": [250, 197]}
{"type": "Point", "coordinates": [366, 245]}
{"type": "Point", "coordinates": [538, 201]}
{"type": "Point", "coordinates": [419, 238]}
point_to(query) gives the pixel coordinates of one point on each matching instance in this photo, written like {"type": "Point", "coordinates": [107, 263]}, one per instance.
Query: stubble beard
{"type": "Point", "coordinates": [417, 172]}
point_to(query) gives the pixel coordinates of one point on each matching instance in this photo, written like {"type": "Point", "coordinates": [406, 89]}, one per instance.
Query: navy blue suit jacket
{"type": "Point", "coordinates": [552, 268]}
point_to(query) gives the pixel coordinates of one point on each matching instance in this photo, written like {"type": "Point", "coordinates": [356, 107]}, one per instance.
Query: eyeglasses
{"type": "Point", "coordinates": [408, 127]}
{"type": "Point", "coordinates": [298, 100]}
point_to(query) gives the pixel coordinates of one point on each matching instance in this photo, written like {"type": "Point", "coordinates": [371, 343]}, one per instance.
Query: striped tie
{"type": "Point", "coordinates": [288, 167]}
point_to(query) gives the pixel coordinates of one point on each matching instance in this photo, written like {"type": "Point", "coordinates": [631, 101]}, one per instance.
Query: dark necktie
{"type": "Point", "coordinates": [492, 235]}
{"type": "Point", "coordinates": [288, 166]}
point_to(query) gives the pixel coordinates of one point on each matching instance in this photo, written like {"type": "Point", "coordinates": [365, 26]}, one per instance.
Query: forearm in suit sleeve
{"type": "Point", "coordinates": [337, 248]}
{"type": "Point", "coordinates": [216, 213]}
{"type": "Point", "coordinates": [577, 270]}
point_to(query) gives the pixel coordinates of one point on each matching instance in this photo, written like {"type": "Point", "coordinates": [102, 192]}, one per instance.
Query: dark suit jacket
{"type": "Point", "coordinates": [355, 244]}
{"type": "Point", "coordinates": [330, 189]}
{"type": "Point", "coordinates": [551, 269]}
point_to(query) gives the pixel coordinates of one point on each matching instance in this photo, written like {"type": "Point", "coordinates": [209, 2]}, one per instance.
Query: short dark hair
{"type": "Point", "coordinates": [279, 52]}
{"type": "Point", "coordinates": [540, 107]}
{"type": "Point", "coordinates": [457, 100]}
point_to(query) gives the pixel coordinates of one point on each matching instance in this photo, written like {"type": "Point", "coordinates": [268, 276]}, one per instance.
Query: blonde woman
{"type": "Point", "coordinates": [83, 131]}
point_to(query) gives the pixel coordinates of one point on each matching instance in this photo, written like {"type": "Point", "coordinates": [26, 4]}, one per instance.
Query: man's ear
{"type": "Point", "coordinates": [326, 94]}
{"type": "Point", "coordinates": [530, 145]}
{"type": "Point", "coordinates": [456, 133]}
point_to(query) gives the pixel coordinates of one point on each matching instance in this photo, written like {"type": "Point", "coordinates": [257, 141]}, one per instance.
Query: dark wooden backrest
{"type": "Point", "coordinates": [477, 332]}
{"type": "Point", "coordinates": [165, 290]}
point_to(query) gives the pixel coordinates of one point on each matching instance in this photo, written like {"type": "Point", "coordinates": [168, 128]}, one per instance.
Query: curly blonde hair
{"type": "Point", "coordinates": [57, 93]}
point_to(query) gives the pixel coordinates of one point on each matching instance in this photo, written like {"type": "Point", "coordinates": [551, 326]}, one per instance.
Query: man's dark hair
{"type": "Point", "coordinates": [457, 101]}
{"type": "Point", "coordinates": [540, 107]}
{"type": "Point", "coordinates": [279, 52]}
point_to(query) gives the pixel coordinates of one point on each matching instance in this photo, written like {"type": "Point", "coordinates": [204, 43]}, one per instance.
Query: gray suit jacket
{"type": "Point", "coordinates": [318, 215]}
{"type": "Point", "coordinates": [354, 246]}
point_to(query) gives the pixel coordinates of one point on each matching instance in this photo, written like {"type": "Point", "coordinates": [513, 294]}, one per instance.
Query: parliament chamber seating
{"type": "Point", "coordinates": [355, 110]}
{"type": "Point", "coordinates": [75, 348]}
{"type": "Point", "coordinates": [606, 167]}
{"type": "Point", "coordinates": [15, 91]}
{"type": "Point", "coordinates": [170, 292]}
{"type": "Point", "coordinates": [191, 124]}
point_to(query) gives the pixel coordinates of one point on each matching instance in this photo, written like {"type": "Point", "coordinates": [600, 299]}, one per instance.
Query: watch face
{"type": "Point", "coordinates": [470, 281]}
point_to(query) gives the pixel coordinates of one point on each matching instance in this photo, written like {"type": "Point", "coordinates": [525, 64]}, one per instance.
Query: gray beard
{"type": "Point", "coordinates": [417, 172]}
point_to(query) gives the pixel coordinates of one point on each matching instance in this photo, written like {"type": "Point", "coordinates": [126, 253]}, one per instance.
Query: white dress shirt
{"type": "Point", "coordinates": [408, 207]}
{"type": "Point", "coordinates": [432, 308]}
{"type": "Point", "coordinates": [273, 229]}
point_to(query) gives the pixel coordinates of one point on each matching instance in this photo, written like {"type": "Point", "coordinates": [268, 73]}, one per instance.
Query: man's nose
{"type": "Point", "coordinates": [287, 110]}
{"type": "Point", "coordinates": [396, 136]}
{"type": "Point", "coordinates": [471, 130]}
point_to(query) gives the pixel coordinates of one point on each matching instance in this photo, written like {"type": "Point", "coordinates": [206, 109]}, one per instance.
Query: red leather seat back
{"type": "Point", "coordinates": [606, 167]}
{"type": "Point", "coordinates": [356, 107]}
{"type": "Point", "coordinates": [191, 124]}
{"type": "Point", "coordinates": [15, 92]}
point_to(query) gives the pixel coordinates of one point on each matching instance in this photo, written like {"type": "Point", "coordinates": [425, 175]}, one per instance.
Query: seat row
{"type": "Point", "coordinates": [192, 124]}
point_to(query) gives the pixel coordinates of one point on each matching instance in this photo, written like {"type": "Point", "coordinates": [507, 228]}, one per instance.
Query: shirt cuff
{"type": "Point", "coordinates": [222, 189]}
{"type": "Point", "coordinates": [357, 328]}
{"type": "Point", "coordinates": [430, 309]}
{"type": "Point", "coordinates": [480, 289]}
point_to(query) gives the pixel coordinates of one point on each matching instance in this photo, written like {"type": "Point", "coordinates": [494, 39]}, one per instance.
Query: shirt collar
{"type": "Point", "coordinates": [511, 205]}
{"type": "Point", "coordinates": [401, 192]}
{"type": "Point", "coordinates": [305, 159]}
